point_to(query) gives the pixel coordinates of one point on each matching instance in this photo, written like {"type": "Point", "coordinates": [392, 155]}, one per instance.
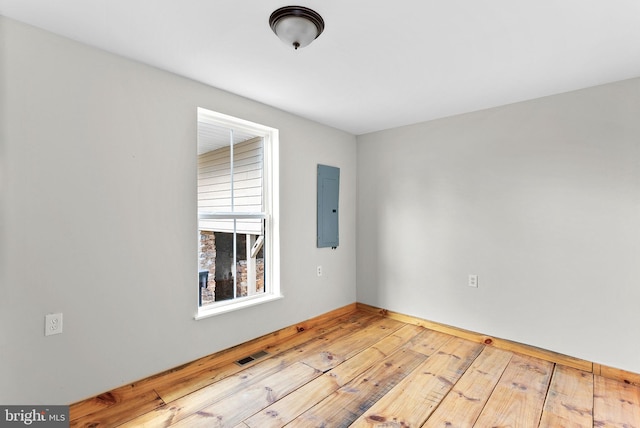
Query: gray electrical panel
{"type": "Point", "coordinates": [328, 195]}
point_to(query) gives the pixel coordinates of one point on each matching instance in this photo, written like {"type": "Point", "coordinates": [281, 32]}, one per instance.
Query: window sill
{"type": "Point", "coordinates": [234, 305]}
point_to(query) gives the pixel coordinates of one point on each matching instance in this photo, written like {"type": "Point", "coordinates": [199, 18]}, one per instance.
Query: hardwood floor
{"type": "Point", "coordinates": [365, 370]}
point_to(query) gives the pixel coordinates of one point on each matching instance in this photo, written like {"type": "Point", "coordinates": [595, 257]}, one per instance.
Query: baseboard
{"type": "Point", "coordinates": [146, 386]}
{"type": "Point", "coordinates": [554, 357]}
{"type": "Point", "coordinates": [616, 374]}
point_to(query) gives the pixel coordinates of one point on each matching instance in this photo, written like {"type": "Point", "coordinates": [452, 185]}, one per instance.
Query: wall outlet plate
{"type": "Point", "coordinates": [52, 324]}
{"type": "Point", "coordinates": [473, 281]}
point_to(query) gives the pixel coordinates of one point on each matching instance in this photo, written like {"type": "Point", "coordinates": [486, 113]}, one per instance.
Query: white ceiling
{"type": "Point", "coordinates": [379, 63]}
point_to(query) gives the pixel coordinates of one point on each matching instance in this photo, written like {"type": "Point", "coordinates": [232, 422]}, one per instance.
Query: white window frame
{"type": "Point", "coordinates": [271, 217]}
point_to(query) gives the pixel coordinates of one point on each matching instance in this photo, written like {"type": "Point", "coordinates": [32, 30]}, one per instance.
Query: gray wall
{"type": "Point", "coordinates": [98, 220]}
{"type": "Point", "coordinates": [541, 199]}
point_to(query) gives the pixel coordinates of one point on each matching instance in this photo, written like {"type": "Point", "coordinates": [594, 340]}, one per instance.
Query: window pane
{"type": "Point", "coordinates": [214, 168]}
{"type": "Point", "coordinates": [247, 176]}
{"type": "Point", "coordinates": [218, 162]}
{"type": "Point", "coordinates": [216, 259]}
{"type": "Point", "coordinates": [250, 259]}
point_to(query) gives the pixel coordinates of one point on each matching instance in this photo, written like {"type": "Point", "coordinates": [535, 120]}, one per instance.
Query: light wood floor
{"type": "Point", "coordinates": [365, 370]}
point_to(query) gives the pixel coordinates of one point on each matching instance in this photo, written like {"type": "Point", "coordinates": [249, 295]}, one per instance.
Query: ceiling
{"type": "Point", "coordinates": [379, 64]}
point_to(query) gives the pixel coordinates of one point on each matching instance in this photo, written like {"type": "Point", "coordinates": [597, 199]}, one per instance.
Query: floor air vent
{"type": "Point", "coordinates": [253, 357]}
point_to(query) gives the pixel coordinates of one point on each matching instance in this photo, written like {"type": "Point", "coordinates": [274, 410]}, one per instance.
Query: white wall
{"type": "Point", "coordinates": [541, 199]}
{"type": "Point", "coordinates": [98, 220]}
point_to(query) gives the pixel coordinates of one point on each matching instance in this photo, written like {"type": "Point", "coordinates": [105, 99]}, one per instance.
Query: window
{"type": "Point", "coordinates": [238, 257]}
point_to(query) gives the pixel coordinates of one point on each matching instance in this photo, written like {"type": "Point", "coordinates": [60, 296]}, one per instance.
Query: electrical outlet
{"type": "Point", "coordinates": [473, 281]}
{"type": "Point", "coordinates": [52, 324]}
{"type": "Point", "coordinates": [319, 270]}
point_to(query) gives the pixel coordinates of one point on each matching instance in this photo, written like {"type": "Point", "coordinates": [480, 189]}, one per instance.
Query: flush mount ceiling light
{"type": "Point", "coordinates": [297, 26]}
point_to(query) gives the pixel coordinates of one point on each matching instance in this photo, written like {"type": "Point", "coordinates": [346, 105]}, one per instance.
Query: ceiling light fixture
{"type": "Point", "coordinates": [296, 26]}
